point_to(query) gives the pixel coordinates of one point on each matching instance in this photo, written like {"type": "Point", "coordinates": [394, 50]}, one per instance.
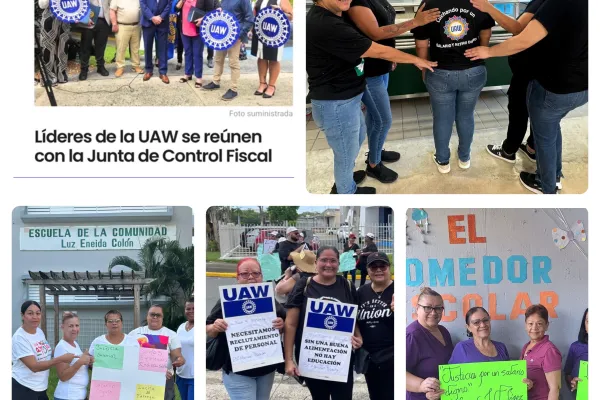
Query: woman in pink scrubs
{"type": "Point", "coordinates": [544, 361]}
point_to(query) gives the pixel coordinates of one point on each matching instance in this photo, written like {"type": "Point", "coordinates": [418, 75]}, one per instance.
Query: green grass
{"type": "Point", "coordinates": [53, 381]}
{"type": "Point", "coordinates": [215, 256]}
{"type": "Point", "coordinates": [110, 53]}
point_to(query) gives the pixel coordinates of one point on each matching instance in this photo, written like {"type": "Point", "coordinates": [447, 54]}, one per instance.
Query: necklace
{"type": "Point", "coordinates": [380, 293]}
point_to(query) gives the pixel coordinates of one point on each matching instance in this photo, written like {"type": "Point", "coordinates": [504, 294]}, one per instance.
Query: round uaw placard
{"type": "Point", "coordinates": [69, 11]}
{"type": "Point", "coordinates": [272, 27]}
{"type": "Point", "coordinates": [219, 30]}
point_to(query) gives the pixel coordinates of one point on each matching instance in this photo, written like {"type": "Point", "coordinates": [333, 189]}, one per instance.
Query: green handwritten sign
{"type": "Point", "coordinates": [108, 356]}
{"type": "Point", "coordinates": [484, 381]}
{"type": "Point", "coordinates": [582, 387]}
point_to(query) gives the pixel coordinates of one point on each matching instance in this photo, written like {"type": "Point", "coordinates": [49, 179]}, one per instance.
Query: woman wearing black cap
{"type": "Point", "coordinates": [376, 322]}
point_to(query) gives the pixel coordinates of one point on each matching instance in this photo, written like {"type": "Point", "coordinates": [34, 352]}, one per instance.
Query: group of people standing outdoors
{"type": "Point", "coordinates": [351, 52]}
{"type": "Point", "coordinates": [429, 345]}
{"type": "Point", "coordinates": [318, 278]}
{"type": "Point", "coordinates": [169, 24]}
{"type": "Point", "coordinates": [32, 355]}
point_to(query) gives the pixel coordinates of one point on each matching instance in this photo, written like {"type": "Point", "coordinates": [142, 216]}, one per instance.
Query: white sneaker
{"type": "Point", "coordinates": [444, 169]}
{"type": "Point", "coordinates": [465, 164]}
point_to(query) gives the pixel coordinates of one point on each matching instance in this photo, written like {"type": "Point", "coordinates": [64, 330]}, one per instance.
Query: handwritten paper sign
{"type": "Point", "coordinates": [141, 374]}
{"type": "Point", "coordinates": [269, 246]}
{"type": "Point", "coordinates": [249, 311]}
{"type": "Point", "coordinates": [326, 340]}
{"type": "Point", "coordinates": [149, 392]}
{"type": "Point", "coordinates": [105, 390]}
{"type": "Point", "coordinates": [108, 356]}
{"type": "Point", "coordinates": [582, 387]}
{"type": "Point", "coordinates": [486, 380]}
{"type": "Point", "coordinates": [152, 360]}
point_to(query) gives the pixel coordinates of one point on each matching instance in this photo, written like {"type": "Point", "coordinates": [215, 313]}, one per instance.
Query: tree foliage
{"type": "Point", "coordinates": [280, 214]}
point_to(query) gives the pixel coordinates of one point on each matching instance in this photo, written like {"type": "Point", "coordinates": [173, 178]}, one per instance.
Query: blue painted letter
{"type": "Point", "coordinates": [443, 274]}
{"type": "Point", "coordinates": [418, 281]}
{"type": "Point", "coordinates": [487, 270]}
{"type": "Point", "coordinates": [465, 271]}
{"type": "Point", "coordinates": [540, 273]}
{"type": "Point", "coordinates": [512, 272]}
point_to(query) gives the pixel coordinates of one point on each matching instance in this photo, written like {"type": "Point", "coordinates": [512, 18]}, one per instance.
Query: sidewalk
{"type": "Point", "coordinates": [284, 388]}
{"type": "Point", "coordinates": [130, 90]}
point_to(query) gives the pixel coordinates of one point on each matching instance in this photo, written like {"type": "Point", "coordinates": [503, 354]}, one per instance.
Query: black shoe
{"type": "Point", "coordinates": [210, 63]}
{"type": "Point", "coordinates": [386, 156]}
{"type": "Point", "coordinates": [495, 150]}
{"type": "Point", "coordinates": [102, 71]}
{"type": "Point", "coordinates": [359, 190]}
{"type": "Point", "coordinates": [83, 75]}
{"type": "Point", "coordinates": [357, 177]}
{"type": "Point", "coordinates": [523, 149]}
{"type": "Point", "coordinates": [530, 182]}
{"type": "Point", "coordinates": [229, 95]}
{"type": "Point", "coordinates": [382, 173]}
{"type": "Point", "coordinates": [211, 86]}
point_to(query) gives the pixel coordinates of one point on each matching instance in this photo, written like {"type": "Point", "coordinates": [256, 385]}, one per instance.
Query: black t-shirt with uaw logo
{"type": "Point", "coordinates": [455, 31]}
{"type": "Point", "coordinates": [333, 56]}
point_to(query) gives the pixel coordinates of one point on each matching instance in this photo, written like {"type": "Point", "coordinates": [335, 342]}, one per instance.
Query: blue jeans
{"type": "Point", "coordinates": [453, 97]}
{"type": "Point", "coordinates": [186, 388]}
{"type": "Point", "coordinates": [343, 123]}
{"type": "Point", "coordinates": [240, 387]}
{"type": "Point", "coordinates": [379, 114]}
{"type": "Point", "coordinates": [193, 46]}
{"type": "Point", "coordinates": [546, 109]}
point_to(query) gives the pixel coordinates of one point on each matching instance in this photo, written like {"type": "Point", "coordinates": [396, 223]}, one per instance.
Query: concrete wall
{"type": "Point", "coordinates": [461, 258]}
{"type": "Point", "coordinates": [93, 260]}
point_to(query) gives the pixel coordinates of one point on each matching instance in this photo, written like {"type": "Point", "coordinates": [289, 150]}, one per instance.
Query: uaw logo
{"type": "Point", "coordinates": [272, 27]}
{"type": "Point", "coordinates": [246, 300]}
{"type": "Point", "coordinates": [456, 28]}
{"type": "Point", "coordinates": [69, 11]}
{"type": "Point", "coordinates": [219, 30]}
{"type": "Point", "coordinates": [331, 316]}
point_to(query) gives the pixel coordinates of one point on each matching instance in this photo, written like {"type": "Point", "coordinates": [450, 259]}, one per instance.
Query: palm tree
{"type": "Point", "coordinates": [172, 266]}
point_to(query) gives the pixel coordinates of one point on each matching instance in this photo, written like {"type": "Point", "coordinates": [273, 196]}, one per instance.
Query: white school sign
{"type": "Point", "coordinates": [108, 237]}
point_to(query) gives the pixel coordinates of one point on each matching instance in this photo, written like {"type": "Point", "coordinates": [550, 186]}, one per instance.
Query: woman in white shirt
{"type": "Point", "coordinates": [114, 327]}
{"type": "Point", "coordinates": [185, 373]}
{"type": "Point", "coordinates": [73, 377]}
{"type": "Point", "coordinates": [32, 356]}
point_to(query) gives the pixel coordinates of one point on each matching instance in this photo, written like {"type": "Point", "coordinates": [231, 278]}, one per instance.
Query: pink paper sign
{"type": "Point", "coordinates": [153, 360]}
{"type": "Point", "coordinates": [105, 390]}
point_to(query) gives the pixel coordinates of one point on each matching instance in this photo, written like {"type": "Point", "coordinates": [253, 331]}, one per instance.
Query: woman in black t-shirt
{"type": "Point", "coordinates": [351, 245]}
{"type": "Point", "coordinates": [376, 19]}
{"type": "Point", "coordinates": [376, 322]}
{"type": "Point", "coordinates": [455, 85]}
{"type": "Point", "coordinates": [336, 82]}
{"type": "Point", "coordinates": [257, 381]}
{"type": "Point", "coordinates": [559, 85]}
{"type": "Point", "coordinates": [325, 285]}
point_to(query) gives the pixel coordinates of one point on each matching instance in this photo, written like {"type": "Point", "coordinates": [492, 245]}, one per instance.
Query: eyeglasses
{"type": "Point", "coordinates": [379, 267]}
{"type": "Point", "coordinates": [113, 321]}
{"type": "Point", "coordinates": [429, 309]}
{"type": "Point", "coordinates": [478, 322]}
{"type": "Point", "coordinates": [328, 260]}
{"type": "Point", "coordinates": [155, 315]}
{"type": "Point", "coordinates": [246, 275]}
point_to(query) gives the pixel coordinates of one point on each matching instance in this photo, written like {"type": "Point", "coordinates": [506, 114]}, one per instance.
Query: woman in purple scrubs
{"type": "Point", "coordinates": [480, 347]}
{"type": "Point", "coordinates": [428, 345]}
{"type": "Point", "coordinates": [543, 358]}
{"type": "Point", "coordinates": [577, 352]}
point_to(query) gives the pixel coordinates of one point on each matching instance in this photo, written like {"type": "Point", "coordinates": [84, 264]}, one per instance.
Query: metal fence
{"type": "Point", "coordinates": [239, 241]}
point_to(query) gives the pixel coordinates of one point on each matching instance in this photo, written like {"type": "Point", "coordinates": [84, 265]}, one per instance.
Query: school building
{"type": "Point", "coordinates": [80, 242]}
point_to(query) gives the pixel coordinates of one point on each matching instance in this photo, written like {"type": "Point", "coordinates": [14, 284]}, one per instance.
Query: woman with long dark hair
{"type": "Point", "coordinates": [577, 352]}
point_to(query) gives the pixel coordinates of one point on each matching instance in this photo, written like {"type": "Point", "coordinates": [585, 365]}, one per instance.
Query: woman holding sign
{"type": "Point", "coordinates": [577, 352]}
{"type": "Point", "coordinates": [254, 383]}
{"type": "Point", "coordinates": [428, 345]}
{"type": "Point", "coordinates": [543, 358]}
{"type": "Point", "coordinates": [325, 285]}
{"type": "Point", "coordinates": [268, 58]}
{"type": "Point", "coordinates": [114, 328]}
{"type": "Point", "coordinates": [73, 377]}
{"type": "Point", "coordinates": [32, 356]}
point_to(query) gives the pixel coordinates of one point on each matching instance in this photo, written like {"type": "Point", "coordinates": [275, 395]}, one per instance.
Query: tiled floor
{"type": "Point", "coordinates": [413, 118]}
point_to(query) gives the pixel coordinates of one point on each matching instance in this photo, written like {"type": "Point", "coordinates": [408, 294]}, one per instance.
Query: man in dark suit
{"type": "Point", "coordinates": [155, 22]}
{"type": "Point", "coordinates": [98, 34]}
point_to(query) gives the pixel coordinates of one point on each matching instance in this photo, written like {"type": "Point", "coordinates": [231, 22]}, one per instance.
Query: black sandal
{"type": "Point", "coordinates": [185, 79]}
{"type": "Point", "coordinates": [268, 96]}
{"type": "Point", "coordinates": [197, 85]}
{"type": "Point", "coordinates": [258, 93]}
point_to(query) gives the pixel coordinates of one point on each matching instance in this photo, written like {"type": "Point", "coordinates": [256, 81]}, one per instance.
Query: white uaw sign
{"type": "Point", "coordinates": [113, 237]}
